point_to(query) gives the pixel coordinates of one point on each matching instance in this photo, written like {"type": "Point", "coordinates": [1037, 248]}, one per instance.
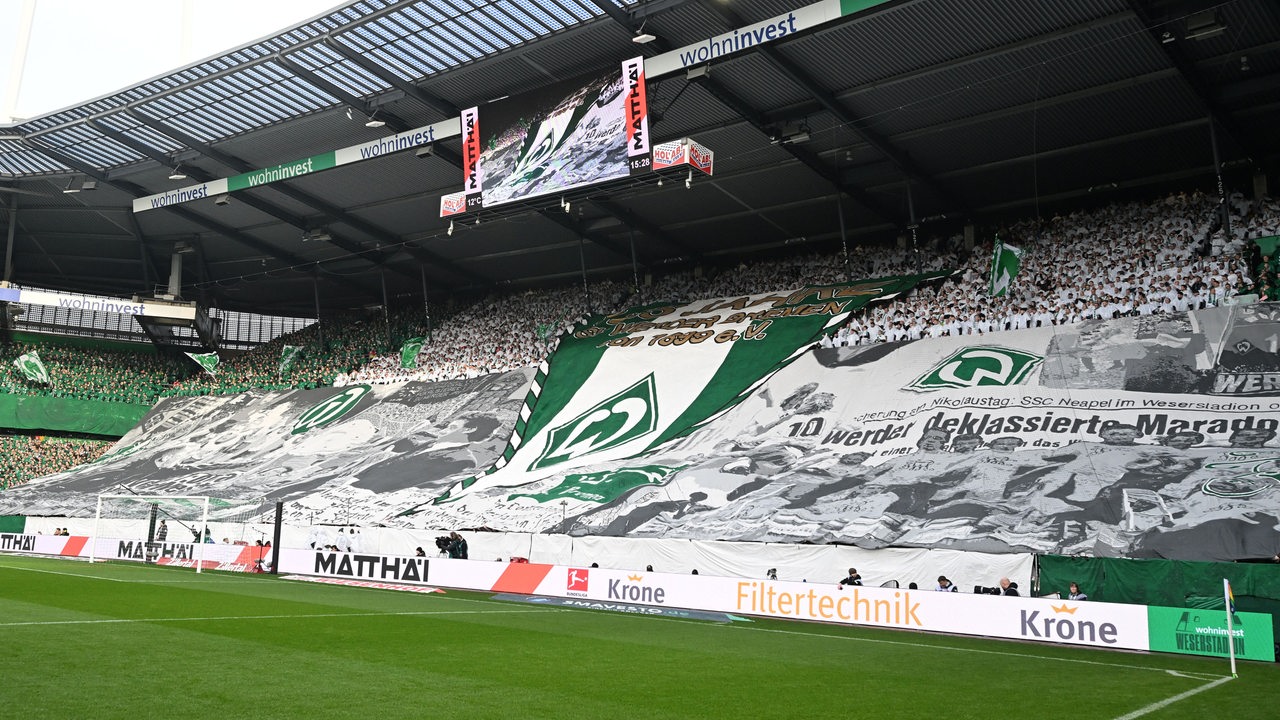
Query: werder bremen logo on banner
{"type": "Point", "coordinates": [331, 409]}
{"type": "Point", "coordinates": [626, 416]}
{"type": "Point", "coordinates": [976, 366]}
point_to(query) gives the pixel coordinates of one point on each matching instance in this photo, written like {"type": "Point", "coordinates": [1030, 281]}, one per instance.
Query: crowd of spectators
{"type": "Point", "coordinates": [23, 457]}
{"type": "Point", "coordinates": [1124, 259]}
{"type": "Point", "coordinates": [325, 350]}
{"type": "Point", "coordinates": [110, 375]}
{"type": "Point", "coordinates": [1134, 258]}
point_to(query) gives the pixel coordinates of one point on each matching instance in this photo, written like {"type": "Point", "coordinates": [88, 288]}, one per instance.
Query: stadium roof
{"type": "Point", "coordinates": [905, 109]}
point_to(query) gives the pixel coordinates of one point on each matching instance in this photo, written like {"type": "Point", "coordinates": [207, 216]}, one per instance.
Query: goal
{"type": "Point", "coordinates": [199, 531]}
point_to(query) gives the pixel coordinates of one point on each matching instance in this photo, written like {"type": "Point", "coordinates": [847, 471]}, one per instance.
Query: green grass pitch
{"type": "Point", "coordinates": [128, 641]}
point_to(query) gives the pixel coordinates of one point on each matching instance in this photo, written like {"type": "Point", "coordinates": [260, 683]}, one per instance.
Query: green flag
{"type": "Point", "coordinates": [545, 331]}
{"type": "Point", "coordinates": [32, 368]}
{"type": "Point", "coordinates": [409, 352]}
{"type": "Point", "coordinates": [1005, 262]}
{"type": "Point", "coordinates": [208, 361]}
{"type": "Point", "coordinates": [288, 354]}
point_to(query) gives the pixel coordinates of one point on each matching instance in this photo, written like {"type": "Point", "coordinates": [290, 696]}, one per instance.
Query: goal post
{"type": "Point", "coordinates": [200, 531]}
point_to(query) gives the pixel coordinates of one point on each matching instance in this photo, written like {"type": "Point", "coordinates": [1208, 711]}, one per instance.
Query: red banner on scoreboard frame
{"type": "Point", "coordinates": [453, 204]}
{"type": "Point", "coordinates": [472, 177]}
{"type": "Point", "coordinates": [683, 152]}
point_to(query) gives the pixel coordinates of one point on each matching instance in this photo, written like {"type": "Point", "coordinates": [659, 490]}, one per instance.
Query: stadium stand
{"type": "Point", "coordinates": [1150, 262]}
{"type": "Point", "coordinates": [1145, 255]}
{"type": "Point", "coordinates": [23, 457]}
{"type": "Point", "coordinates": [90, 373]}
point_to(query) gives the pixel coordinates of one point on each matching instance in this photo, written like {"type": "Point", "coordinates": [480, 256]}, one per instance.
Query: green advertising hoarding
{"type": "Point", "coordinates": [1202, 631]}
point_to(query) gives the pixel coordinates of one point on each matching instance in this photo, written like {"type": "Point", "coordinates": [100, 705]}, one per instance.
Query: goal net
{"type": "Point", "coordinates": [199, 531]}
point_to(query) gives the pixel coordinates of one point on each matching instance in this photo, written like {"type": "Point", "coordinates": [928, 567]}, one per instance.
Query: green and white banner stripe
{"type": "Point", "coordinates": [621, 385]}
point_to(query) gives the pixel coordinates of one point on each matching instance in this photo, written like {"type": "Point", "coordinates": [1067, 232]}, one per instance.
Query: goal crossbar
{"type": "Point", "coordinates": [181, 509]}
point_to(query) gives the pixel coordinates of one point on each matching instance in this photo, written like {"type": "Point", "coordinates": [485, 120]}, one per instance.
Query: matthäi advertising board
{"type": "Point", "coordinates": [211, 556]}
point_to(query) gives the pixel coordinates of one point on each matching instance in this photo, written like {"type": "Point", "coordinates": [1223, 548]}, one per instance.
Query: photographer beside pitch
{"type": "Point", "coordinates": [1005, 588]}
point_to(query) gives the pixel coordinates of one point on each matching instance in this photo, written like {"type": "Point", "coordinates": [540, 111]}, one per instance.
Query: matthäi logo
{"type": "Point", "coordinates": [628, 415]}
{"type": "Point", "coordinates": [331, 409]}
{"type": "Point", "coordinates": [978, 365]}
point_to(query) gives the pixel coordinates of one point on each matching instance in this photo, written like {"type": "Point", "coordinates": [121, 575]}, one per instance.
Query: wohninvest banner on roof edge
{"type": "Point", "coordinates": [623, 384]}
{"type": "Point", "coordinates": [97, 303]}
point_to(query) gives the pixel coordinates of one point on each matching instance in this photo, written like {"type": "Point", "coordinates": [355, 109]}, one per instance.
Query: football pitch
{"type": "Point", "coordinates": [122, 640]}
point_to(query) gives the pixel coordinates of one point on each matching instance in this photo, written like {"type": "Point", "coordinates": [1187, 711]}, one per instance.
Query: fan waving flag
{"type": "Point", "coordinates": [1005, 262]}
{"type": "Point", "coordinates": [208, 361]}
{"type": "Point", "coordinates": [288, 354]}
{"type": "Point", "coordinates": [545, 331]}
{"type": "Point", "coordinates": [31, 367]}
{"type": "Point", "coordinates": [409, 352]}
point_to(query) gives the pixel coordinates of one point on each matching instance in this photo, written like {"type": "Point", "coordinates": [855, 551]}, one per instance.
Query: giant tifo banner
{"type": "Point", "coordinates": [1104, 625]}
{"type": "Point", "coordinates": [1148, 436]}
{"type": "Point", "coordinates": [1139, 437]}
{"type": "Point", "coordinates": [352, 454]}
{"type": "Point", "coordinates": [622, 385]}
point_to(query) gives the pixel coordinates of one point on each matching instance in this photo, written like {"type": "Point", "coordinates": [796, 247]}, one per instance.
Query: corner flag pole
{"type": "Point", "coordinates": [204, 522]}
{"type": "Point", "coordinates": [1229, 598]}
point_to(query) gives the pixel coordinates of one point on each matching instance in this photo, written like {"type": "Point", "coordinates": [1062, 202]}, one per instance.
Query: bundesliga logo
{"type": "Point", "coordinates": [577, 581]}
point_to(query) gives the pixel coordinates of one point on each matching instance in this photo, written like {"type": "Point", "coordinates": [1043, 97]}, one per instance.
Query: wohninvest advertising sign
{"type": "Point", "coordinates": [94, 303]}
{"type": "Point", "coordinates": [1202, 631]}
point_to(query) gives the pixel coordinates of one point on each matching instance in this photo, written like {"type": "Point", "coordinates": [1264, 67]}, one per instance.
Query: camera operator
{"type": "Point", "coordinates": [457, 548]}
{"type": "Point", "coordinates": [442, 544]}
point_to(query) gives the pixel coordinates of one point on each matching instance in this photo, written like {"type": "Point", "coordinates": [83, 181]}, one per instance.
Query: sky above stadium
{"type": "Point", "coordinates": [60, 53]}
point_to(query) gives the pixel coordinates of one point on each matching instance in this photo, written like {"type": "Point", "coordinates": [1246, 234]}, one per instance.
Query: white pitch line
{"type": "Point", "coordinates": [55, 572]}
{"type": "Point", "coordinates": [1171, 700]}
{"type": "Point", "coordinates": [111, 621]}
{"type": "Point", "coordinates": [209, 580]}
